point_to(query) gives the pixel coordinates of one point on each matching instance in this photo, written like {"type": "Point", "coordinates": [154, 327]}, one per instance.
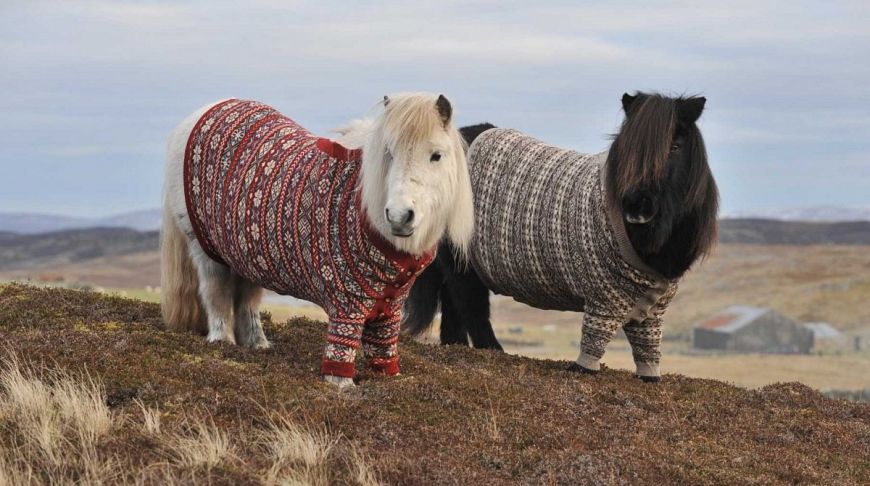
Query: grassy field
{"type": "Point", "coordinates": [808, 283]}
{"type": "Point", "coordinates": [827, 371]}
{"type": "Point", "coordinates": [95, 391]}
{"type": "Point", "coordinates": [831, 371]}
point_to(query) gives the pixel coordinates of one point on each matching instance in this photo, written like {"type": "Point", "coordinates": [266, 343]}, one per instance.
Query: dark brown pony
{"type": "Point", "coordinates": [658, 178]}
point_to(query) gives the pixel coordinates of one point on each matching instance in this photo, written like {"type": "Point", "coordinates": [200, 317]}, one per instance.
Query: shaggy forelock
{"type": "Point", "coordinates": [643, 144]}
{"type": "Point", "coordinates": [410, 118]}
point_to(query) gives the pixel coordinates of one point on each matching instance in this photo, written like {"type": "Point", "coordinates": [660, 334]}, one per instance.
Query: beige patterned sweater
{"type": "Point", "coordinates": [545, 236]}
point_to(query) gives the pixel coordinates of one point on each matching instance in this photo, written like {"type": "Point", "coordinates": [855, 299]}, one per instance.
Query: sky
{"type": "Point", "coordinates": [89, 90]}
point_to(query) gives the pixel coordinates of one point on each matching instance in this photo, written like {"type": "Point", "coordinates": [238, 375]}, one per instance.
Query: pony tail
{"type": "Point", "coordinates": [460, 227]}
{"type": "Point", "coordinates": [355, 133]}
{"type": "Point", "coordinates": [179, 284]}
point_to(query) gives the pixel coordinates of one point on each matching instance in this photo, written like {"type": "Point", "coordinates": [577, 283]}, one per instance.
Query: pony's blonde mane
{"type": "Point", "coordinates": [409, 119]}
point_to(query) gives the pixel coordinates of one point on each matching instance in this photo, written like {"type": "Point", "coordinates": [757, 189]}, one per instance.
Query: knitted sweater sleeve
{"type": "Point", "coordinates": [645, 336]}
{"type": "Point", "coordinates": [598, 330]}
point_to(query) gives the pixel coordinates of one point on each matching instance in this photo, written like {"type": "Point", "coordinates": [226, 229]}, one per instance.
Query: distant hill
{"type": "Point", "coordinates": [33, 223]}
{"type": "Point", "coordinates": [772, 232]}
{"type": "Point", "coordinates": [49, 249]}
{"type": "Point", "coordinates": [27, 223]}
{"type": "Point", "coordinates": [26, 251]}
{"type": "Point", "coordinates": [815, 214]}
{"type": "Point", "coordinates": [143, 220]}
{"type": "Point", "coordinates": [767, 221]}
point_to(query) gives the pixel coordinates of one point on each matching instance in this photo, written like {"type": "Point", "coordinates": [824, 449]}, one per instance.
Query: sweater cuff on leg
{"type": "Point", "coordinates": [386, 366]}
{"type": "Point", "coordinates": [588, 361]}
{"type": "Point", "coordinates": [337, 368]}
{"type": "Point", "coordinates": [647, 368]}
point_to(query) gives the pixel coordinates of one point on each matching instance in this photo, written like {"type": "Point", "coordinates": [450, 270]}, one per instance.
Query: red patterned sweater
{"type": "Point", "coordinates": [280, 207]}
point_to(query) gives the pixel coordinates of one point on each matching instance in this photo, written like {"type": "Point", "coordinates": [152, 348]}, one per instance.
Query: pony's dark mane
{"type": "Point", "coordinates": [685, 228]}
{"type": "Point", "coordinates": [639, 152]}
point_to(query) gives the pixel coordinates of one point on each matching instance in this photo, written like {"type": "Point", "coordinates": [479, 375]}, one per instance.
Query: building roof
{"type": "Point", "coordinates": [733, 318]}
{"type": "Point", "coordinates": [822, 330]}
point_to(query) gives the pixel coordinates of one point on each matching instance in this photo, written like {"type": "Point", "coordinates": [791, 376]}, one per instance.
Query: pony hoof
{"type": "Point", "coordinates": [341, 382]}
{"type": "Point", "coordinates": [650, 379]}
{"type": "Point", "coordinates": [576, 368]}
{"type": "Point", "coordinates": [261, 344]}
{"type": "Point", "coordinates": [216, 339]}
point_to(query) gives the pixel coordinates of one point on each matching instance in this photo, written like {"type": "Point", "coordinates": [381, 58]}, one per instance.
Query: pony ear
{"type": "Point", "coordinates": [386, 100]}
{"type": "Point", "coordinates": [444, 109]}
{"type": "Point", "coordinates": [690, 109]}
{"type": "Point", "coordinates": [627, 101]}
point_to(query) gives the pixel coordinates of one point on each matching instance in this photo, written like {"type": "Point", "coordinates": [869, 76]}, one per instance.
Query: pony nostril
{"type": "Point", "coordinates": [639, 207]}
{"type": "Point", "coordinates": [646, 205]}
{"type": "Point", "coordinates": [400, 217]}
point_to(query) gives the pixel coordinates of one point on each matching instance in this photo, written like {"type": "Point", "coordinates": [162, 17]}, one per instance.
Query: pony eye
{"type": "Point", "coordinates": [435, 157]}
{"type": "Point", "coordinates": [675, 147]}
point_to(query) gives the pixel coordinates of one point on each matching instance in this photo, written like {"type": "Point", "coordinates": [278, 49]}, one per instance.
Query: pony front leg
{"type": "Point", "coordinates": [216, 288]}
{"type": "Point", "coordinates": [597, 333]}
{"type": "Point", "coordinates": [645, 338]}
{"type": "Point", "coordinates": [381, 345]}
{"type": "Point", "coordinates": [342, 340]}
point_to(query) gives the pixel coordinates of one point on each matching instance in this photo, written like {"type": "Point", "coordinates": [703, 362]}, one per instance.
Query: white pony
{"type": "Point", "coordinates": [254, 200]}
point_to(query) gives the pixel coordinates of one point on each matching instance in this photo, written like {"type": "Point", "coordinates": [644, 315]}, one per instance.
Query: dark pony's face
{"type": "Point", "coordinates": [658, 175]}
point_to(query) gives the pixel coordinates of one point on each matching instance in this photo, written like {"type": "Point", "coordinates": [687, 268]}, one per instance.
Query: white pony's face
{"type": "Point", "coordinates": [420, 187]}
{"type": "Point", "coordinates": [420, 180]}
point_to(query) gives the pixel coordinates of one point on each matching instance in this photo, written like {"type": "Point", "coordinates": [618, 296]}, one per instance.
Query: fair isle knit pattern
{"type": "Point", "coordinates": [280, 207]}
{"type": "Point", "coordinates": [545, 236]}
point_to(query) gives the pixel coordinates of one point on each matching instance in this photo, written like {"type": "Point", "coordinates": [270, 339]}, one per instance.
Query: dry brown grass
{"type": "Point", "coordinates": [205, 445]}
{"type": "Point", "coordinates": [150, 418]}
{"type": "Point", "coordinates": [298, 456]}
{"type": "Point", "coordinates": [56, 428]}
{"type": "Point", "coordinates": [455, 415]}
{"type": "Point", "coordinates": [52, 422]}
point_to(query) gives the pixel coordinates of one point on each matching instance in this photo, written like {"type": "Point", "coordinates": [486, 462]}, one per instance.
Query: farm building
{"type": "Point", "coordinates": [752, 330]}
{"type": "Point", "coordinates": [823, 330]}
{"type": "Point", "coordinates": [827, 337]}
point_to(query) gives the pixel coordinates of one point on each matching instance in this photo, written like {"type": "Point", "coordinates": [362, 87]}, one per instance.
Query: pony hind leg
{"type": "Point", "coordinates": [216, 289]}
{"type": "Point", "coordinates": [452, 329]}
{"type": "Point", "coordinates": [248, 328]}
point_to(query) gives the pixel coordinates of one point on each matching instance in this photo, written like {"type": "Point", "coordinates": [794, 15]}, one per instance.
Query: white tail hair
{"type": "Point", "coordinates": [179, 284]}
{"type": "Point", "coordinates": [355, 133]}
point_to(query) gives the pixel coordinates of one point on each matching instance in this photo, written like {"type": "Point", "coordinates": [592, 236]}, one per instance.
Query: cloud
{"type": "Point", "coordinates": [84, 151]}
{"type": "Point", "coordinates": [106, 80]}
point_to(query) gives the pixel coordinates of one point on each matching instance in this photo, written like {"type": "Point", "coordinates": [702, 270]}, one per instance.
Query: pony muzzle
{"type": "Point", "coordinates": [401, 221]}
{"type": "Point", "coordinates": [639, 207]}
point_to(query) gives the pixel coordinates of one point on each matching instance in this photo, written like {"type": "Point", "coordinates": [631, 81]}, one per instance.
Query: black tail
{"type": "Point", "coordinates": [423, 300]}
{"type": "Point", "coordinates": [463, 298]}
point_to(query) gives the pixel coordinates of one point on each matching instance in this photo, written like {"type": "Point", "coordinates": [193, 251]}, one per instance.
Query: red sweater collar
{"type": "Point", "coordinates": [400, 258]}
